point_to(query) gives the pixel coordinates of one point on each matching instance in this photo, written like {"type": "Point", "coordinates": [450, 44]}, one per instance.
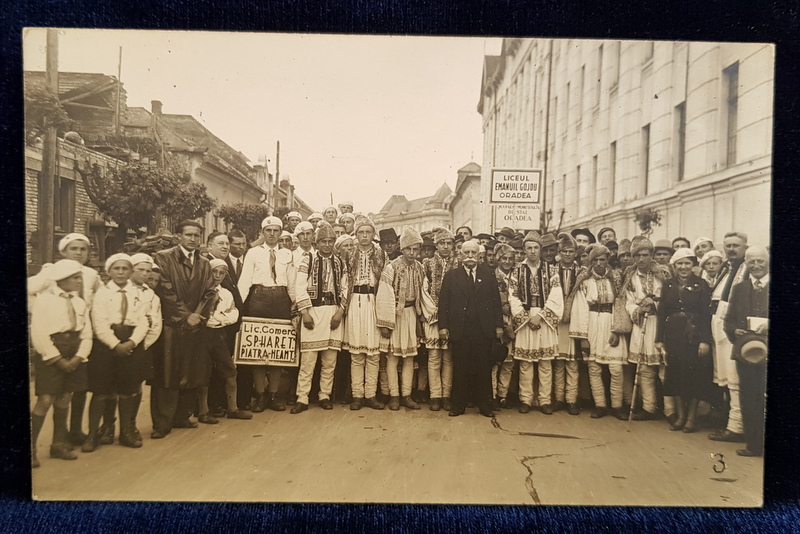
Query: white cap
{"type": "Point", "coordinates": [701, 240]}
{"type": "Point", "coordinates": [69, 238]}
{"type": "Point", "coordinates": [315, 215]}
{"type": "Point", "coordinates": [682, 253]}
{"type": "Point", "coordinates": [114, 258]}
{"type": "Point", "coordinates": [141, 257]}
{"type": "Point", "coordinates": [293, 214]}
{"type": "Point", "coordinates": [303, 227]}
{"type": "Point", "coordinates": [711, 254]}
{"type": "Point", "coordinates": [216, 262]}
{"type": "Point", "coordinates": [63, 269]}
{"type": "Point", "coordinates": [271, 221]}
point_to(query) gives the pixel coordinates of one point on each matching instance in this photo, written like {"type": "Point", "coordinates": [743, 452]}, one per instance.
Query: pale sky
{"type": "Point", "coordinates": [362, 117]}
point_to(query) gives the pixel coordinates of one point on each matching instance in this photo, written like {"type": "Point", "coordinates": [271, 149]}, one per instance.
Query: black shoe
{"type": "Point", "coordinates": [299, 407]}
{"type": "Point", "coordinates": [373, 403]}
{"type": "Point", "coordinates": [504, 403]}
{"type": "Point", "coordinates": [727, 436]}
{"type": "Point", "coordinates": [748, 452]}
{"type": "Point", "coordinates": [208, 419]}
{"type": "Point", "coordinates": [62, 451]}
{"type": "Point", "coordinates": [418, 396]}
{"type": "Point", "coordinates": [274, 404]}
{"type": "Point", "coordinates": [219, 413]}
{"type": "Point", "coordinates": [524, 408]}
{"type": "Point", "coordinates": [672, 418]}
{"type": "Point", "coordinates": [447, 405]}
{"type": "Point", "coordinates": [326, 404]}
{"type": "Point", "coordinates": [456, 412]}
{"type": "Point", "coordinates": [186, 423]}
{"type": "Point", "coordinates": [496, 405]}
{"type": "Point", "coordinates": [106, 434]}
{"type": "Point", "coordinates": [559, 405]}
{"type": "Point", "coordinates": [394, 403]}
{"type": "Point", "coordinates": [158, 434]}
{"type": "Point", "coordinates": [91, 443]}
{"type": "Point", "coordinates": [620, 413]}
{"type": "Point", "coordinates": [436, 404]}
{"type": "Point", "coordinates": [382, 398]}
{"type": "Point", "coordinates": [77, 438]}
{"type": "Point", "coordinates": [573, 408]}
{"type": "Point", "coordinates": [357, 403]}
{"type": "Point", "coordinates": [261, 404]}
{"type": "Point", "coordinates": [127, 439]}
{"type": "Point", "coordinates": [546, 409]}
{"type": "Point", "coordinates": [644, 415]}
{"type": "Point", "coordinates": [239, 414]}
{"type": "Point", "coordinates": [599, 412]}
{"type": "Point", "coordinates": [486, 412]}
{"type": "Point", "coordinates": [409, 403]}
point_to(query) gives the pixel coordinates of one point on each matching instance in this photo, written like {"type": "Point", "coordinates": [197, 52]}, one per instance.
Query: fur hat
{"type": "Point", "coordinates": [640, 242]}
{"type": "Point", "coordinates": [532, 236]}
{"type": "Point", "coordinates": [566, 241]}
{"type": "Point", "coordinates": [324, 231]}
{"type": "Point", "coordinates": [69, 238]}
{"type": "Point", "coordinates": [596, 249]}
{"type": "Point", "coordinates": [624, 246]}
{"type": "Point", "coordinates": [362, 220]}
{"type": "Point", "coordinates": [409, 237]}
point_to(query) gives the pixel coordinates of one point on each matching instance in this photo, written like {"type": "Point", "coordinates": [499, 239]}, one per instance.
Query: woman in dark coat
{"type": "Point", "coordinates": [684, 332]}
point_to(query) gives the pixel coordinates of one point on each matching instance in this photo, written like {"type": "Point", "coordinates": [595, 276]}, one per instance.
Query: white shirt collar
{"type": "Point", "coordinates": [764, 280]}
{"type": "Point", "coordinates": [113, 286]}
{"type": "Point", "coordinates": [185, 252]}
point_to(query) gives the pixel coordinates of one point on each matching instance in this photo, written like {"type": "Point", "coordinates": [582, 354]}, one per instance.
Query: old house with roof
{"type": "Point", "coordinates": [421, 213]}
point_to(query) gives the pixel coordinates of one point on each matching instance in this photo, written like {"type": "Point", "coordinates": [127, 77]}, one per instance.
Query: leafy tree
{"type": "Point", "coordinates": [246, 217]}
{"type": "Point", "coordinates": [43, 109]}
{"type": "Point", "coordinates": [140, 194]}
{"type": "Point", "coordinates": [646, 219]}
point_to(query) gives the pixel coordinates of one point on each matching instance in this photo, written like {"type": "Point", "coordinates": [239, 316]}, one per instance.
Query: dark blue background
{"type": "Point", "coordinates": [715, 20]}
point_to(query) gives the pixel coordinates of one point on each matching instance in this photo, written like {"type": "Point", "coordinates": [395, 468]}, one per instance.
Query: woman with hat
{"type": "Point", "coordinates": [684, 332]}
{"type": "Point", "coordinates": [61, 334]}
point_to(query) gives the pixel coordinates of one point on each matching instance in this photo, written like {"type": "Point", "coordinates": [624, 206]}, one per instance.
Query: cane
{"type": "Point", "coordinates": [638, 372]}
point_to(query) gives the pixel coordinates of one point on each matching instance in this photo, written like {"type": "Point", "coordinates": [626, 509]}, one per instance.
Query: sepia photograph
{"type": "Point", "coordinates": [315, 268]}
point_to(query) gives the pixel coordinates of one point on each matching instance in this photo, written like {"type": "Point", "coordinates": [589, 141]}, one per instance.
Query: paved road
{"type": "Point", "coordinates": [405, 456]}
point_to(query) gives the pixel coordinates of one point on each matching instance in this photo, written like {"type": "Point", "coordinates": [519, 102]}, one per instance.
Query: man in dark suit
{"type": "Point", "coordinates": [748, 313]}
{"type": "Point", "coordinates": [235, 261]}
{"type": "Point", "coordinates": [235, 257]}
{"type": "Point", "coordinates": [470, 315]}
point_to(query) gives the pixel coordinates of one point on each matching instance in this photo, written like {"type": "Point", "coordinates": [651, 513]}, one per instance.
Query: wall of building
{"type": "Point", "coordinates": [607, 99]}
{"type": "Point", "coordinates": [466, 204]}
{"type": "Point", "coordinates": [421, 221]}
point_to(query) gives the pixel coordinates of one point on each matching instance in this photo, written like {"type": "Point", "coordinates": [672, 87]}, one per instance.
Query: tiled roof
{"type": "Point", "coordinates": [68, 81]}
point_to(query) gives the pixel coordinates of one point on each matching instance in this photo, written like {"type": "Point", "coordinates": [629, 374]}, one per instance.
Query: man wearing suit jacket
{"type": "Point", "coordinates": [747, 319]}
{"type": "Point", "coordinates": [235, 261]}
{"type": "Point", "coordinates": [470, 316]}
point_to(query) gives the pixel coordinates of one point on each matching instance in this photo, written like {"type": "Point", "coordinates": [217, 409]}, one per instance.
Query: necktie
{"type": "Point", "coordinates": [237, 267]}
{"type": "Point", "coordinates": [73, 321]}
{"type": "Point", "coordinates": [190, 257]}
{"type": "Point", "coordinates": [123, 307]}
{"type": "Point", "coordinates": [272, 266]}
{"type": "Point", "coordinates": [471, 276]}
{"type": "Point", "coordinates": [757, 285]}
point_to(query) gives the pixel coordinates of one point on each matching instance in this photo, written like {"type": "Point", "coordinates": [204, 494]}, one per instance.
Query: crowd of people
{"type": "Point", "coordinates": [628, 328]}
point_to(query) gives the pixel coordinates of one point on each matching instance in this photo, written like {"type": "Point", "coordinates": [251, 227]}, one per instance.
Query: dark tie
{"type": "Point", "coordinates": [272, 266]}
{"type": "Point", "coordinates": [471, 277]}
{"type": "Point", "coordinates": [237, 267]}
{"type": "Point", "coordinates": [757, 285]}
{"type": "Point", "coordinates": [73, 321]}
{"type": "Point", "coordinates": [123, 307]}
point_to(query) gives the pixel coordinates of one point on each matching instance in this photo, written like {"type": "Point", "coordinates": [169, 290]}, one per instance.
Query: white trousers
{"type": "Point", "coordinates": [440, 372]}
{"type": "Point", "coordinates": [565, 381]}
{"type": "Point", "coordinates": [735, 413]}
{"type": "Point", "coordinates": [407, 371]}
{"type": "Point", "coordinates": [308, 361]}
{"type": "Point", "coordinates": [501, 376]}
{"type": "Point", "coordinates": [599, 390]}
{"type": "Point", "coordinates": [364, 374]}
{"type": "Point", "coordinates": [526, 372]}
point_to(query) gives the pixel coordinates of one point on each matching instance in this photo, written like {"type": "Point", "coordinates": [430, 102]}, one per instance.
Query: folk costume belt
{"type": "Point", "coordinates": [257, 288]}
{"type": "Point", "coordinates": [364, 290]}
{"type": "Point", "coordinates": [601, 308]}
{"type": "Point", "coordinates": [410, 303]}
{"type": "Point", "coordinates": [327, 299]}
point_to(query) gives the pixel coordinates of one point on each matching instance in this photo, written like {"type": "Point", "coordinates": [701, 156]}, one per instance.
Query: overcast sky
{"type": "Point", "coordinates": [361, 117]}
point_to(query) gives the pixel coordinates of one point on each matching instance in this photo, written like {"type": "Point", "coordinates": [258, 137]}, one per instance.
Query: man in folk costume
{"type": "Point", "coordinates": [599, 288]}
{"type": "Point", "coordinates": [401, 302]}
{"type": "Point", "coordinates": [642, 286]}
{"type": "Point", "coordinates": [747, 327]}
{"type": "Point", "coordinates": [502, 372]}
{"type": "Point", "coordinates": [322, 289]}
{"type": "Point", "coordinates": [362, 338]}
{"type": "Point", "coordinates": [726, 375]}
{"type": "Point", "coordinates": [537, 304]}
{"type": "Point", "coordinates": [566, 372]}
{"type": "Point", "coordinates": [440, 353]}
{"type": "Point", "coordinates": [266, 286]}
{"type": "Point", "coordinates": [187, 293]}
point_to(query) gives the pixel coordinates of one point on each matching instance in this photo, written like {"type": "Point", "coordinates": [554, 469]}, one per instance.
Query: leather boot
{"type": "Point", "coordinates": [136, 402]}
{"type": "Point", "coordinates": [126, 436]}
{"type": "Point", "coordinates": [95, 414]}
{"type": "Point", "coordinates": [394, 403]}
{"type": "Point", "coordinates": [436, 404]}
{"type": "Point", "coordinates": [274, 404]}
{"type": "Point", "coordinates": [261, 403]}
{"type": "Point", "coordinates": [446, 404]}
{"type": "Point", "coordinates": [409, 403]}
{"type": "Point", "coordinates": [60, 447]}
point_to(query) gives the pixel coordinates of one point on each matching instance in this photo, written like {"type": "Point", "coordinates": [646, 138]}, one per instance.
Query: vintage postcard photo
{"type": "Point", "coordinates": [394, 269]}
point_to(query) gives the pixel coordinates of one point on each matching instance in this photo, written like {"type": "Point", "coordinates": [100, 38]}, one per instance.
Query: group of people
{"type": "Point", "coordinates": [554, 321]}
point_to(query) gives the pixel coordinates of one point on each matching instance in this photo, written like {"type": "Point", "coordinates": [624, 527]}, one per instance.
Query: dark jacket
{"type": "Point", "coordinates": [744, 302]}
{"type": "Point", "coordinates": [457, 296]}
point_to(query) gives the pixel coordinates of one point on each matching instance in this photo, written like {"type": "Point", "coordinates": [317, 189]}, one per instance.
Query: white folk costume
{"type": "Point", "coordinates": [642, 291]}
{"type": "Point", "coordinates": [401, 301]}
{"type": "Point", "coordinates": [362, 337]}
{"type": "Point", "coordinates": [322, 290]}
{"type": "Point", "coordinates": [535, 290]}
{"type": "Point", "coordinates": [440, 354]}
{"type": "Point", "coordinates": [566, 372]}
{"type": "Point", "coordinates": [599, 299]}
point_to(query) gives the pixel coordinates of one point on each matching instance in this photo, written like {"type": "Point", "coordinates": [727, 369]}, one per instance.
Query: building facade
{"type": "Point", "coordinates": [466, 203]}
{"type": "Point", "coordinates": [682, 128]}
{"type": "Point", "coordinates": [421, 214]}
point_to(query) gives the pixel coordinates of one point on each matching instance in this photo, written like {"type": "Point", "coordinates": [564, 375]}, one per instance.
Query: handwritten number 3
{"type": "Point", "coordinates": [719, 462]}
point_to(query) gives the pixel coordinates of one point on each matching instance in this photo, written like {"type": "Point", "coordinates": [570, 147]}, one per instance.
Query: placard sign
{"type": "Point", "coordinates": [516, 186]}
{"type": "Point", "coordinates": [267, 341]}
{"type": "Point", "coordinates": [517, 216]}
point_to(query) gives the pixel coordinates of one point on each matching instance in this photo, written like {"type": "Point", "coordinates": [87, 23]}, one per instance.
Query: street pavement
{"type": "Point", "coordinates": [411, 457]}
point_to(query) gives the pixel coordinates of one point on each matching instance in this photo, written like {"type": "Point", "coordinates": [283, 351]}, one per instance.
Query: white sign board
{"type": "Point", "coordinates": [516, 186]}
{"type": "Point", "coordinates": [267, 341]}
{"type": "Point", "coordinates": [517, 217]}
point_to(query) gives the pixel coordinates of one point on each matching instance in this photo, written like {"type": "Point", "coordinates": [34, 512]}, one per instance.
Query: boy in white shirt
{"type": "Point", "coordinates": [61, 333]}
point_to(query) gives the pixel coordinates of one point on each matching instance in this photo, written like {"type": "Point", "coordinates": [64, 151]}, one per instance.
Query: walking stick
{"type": "Point", "coordinates": [638, 373]}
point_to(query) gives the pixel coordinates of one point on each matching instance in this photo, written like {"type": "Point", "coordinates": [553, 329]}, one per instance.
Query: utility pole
{"type": "Point", "coordinates": [119, 89]}
{"type": "Point", "coordinates": [48, 174]}
{"type": "Point", "coordinates": [277, 174]}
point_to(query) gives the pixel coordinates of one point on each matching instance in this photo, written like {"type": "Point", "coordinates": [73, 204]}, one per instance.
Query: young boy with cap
{"type": "Point", "coordinates": [120, 326]}
{"type": "Point", "coordinates": [401, 301]}
{"type": "Point", "coordinates": [61, 334]}
{"type": "Point", "coordinates": [321, 289]}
